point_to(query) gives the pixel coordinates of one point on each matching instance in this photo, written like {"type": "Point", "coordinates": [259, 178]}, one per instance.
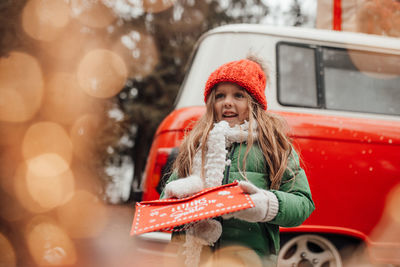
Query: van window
{"type": "Point", "coordinates": [361, 81]}
{"type": "Point", "coordinates": [348, 80]}
{"type": "Point", "coordinates": [297, 79]}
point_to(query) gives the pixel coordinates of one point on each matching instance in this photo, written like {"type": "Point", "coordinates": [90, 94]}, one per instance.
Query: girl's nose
{"type": "Point", "coordinates": [228, 101]}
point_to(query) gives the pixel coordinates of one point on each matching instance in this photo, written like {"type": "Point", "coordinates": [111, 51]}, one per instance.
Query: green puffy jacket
{"type": "Point", "coordinates": [294, 196]}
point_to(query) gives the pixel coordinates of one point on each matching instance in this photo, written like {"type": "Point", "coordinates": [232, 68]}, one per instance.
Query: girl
{"type": "Point", "coordinates": [237, 139]}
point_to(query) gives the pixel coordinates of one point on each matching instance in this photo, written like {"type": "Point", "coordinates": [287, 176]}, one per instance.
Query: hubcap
{"type": "Point", "coordinates": [309, 251]}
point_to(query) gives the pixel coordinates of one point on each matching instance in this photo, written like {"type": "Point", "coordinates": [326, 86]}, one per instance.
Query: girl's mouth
{"type": "Point", "coordinates": [229, 115]}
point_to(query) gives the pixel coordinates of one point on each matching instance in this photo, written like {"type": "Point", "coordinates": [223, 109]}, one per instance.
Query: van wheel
{"type": "Point", "coordinates": [307, 251]}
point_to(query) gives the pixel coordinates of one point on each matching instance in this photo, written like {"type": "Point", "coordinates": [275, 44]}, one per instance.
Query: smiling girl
{"type": "Point", "coordinates": [238, 139]}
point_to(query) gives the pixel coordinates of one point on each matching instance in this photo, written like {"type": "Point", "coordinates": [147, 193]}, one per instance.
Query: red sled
{"type": "Point", "coordinates": [166, 214]}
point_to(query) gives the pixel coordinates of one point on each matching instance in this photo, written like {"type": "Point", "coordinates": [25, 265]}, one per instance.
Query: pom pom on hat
{"type": "Point", "coordinates": [245, 73]}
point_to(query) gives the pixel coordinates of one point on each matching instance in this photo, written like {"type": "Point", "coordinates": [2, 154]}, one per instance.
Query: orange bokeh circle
{"type": "Point", "coordinates": [102, 73]}
{"type": "Point", "coordinates": [49, 244]}
{"type": "Point", "coordinates": [93, 14]}
{"type": "Point", "coordinates": [44, 20]}
{"type": "Point", "coordinates": [21, 87]}
{"type": "Point", "coordinates": [47, 137]}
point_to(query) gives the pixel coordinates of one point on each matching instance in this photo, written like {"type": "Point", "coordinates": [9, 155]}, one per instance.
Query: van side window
{"type": "Point", "coordinates": [361, 81]}
{"type": "Point", "coordinates": [297, 76]}
{"type": "Point", "coordinates": [348, 80]}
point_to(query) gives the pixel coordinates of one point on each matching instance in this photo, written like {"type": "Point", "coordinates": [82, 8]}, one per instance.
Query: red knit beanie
{"type": "Point", "coordinates": [245, 73]}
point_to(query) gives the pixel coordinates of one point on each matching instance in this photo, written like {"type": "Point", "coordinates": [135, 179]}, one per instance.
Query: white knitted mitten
{"type": "Point", "coordinates": [265, 208]}
{"type": "Point", "coordinates": [183, 187]}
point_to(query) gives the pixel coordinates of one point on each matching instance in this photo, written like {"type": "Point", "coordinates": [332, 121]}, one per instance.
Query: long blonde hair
{"type": "Point", "coordinates": [271, 137]}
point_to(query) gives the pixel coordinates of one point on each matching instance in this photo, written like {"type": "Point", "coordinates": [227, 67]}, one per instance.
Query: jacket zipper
{"type": "Point", "coordinates": [228, 167]}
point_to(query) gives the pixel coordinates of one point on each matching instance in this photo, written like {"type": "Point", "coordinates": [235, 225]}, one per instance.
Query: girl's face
{"type": "Point", "coordinates": [231, 103]}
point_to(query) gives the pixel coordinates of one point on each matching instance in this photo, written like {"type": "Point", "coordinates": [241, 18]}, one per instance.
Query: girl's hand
{"type": "Point", "coordinates": [266, 205]}
{"type": "Point", "coordinates": [183, 187]}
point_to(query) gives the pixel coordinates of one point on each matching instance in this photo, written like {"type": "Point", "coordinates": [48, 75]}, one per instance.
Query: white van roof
{"type": "Point", "coordinates": [339, 37]}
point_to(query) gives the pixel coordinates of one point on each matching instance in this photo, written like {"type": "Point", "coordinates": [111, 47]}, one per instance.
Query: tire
{"type": "Point", "coordinates": [309, 250]}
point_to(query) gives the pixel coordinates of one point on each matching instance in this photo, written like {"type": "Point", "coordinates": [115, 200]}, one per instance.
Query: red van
{"type": "Point", "coordinates": [340, 93]}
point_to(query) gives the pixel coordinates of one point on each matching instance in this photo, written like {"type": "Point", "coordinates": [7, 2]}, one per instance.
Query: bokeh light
{"type": "Point", "coordinates": [10, 157]}
{"type": "Point", "coordinates": [83, 134]}
{"type": "Point", "coordinates": [102, 73]}
{"type": "Point", "coordinates": [83, 216]}
{"type": "Point", "coordinates": [7, 255]}
{"type": "Point", "coordinates": [387, 231]}
{"type": "Point", "coordinates": [176, 249]}
{"type": "Point", "coordinates": [378, 17]}
{"type": "Point", "coordinates": [44, 19]}
{"type": "Point", "coordinates": [49, 244]}
{"type": "Point", "coordinates": [64, 101]}
{"type": "Point", "coordinates": [375, 65]}
{"type": "Point", "coordinates": [138, 50]}
{"type": "Point", "coordinates": [155, 6]}
{"type": "Point", "coordinates": [22, 193]}
{"type": "Point", "coordinates": [235, 256]}
{"type": "Point", "coordinates": [47, 137]}
{"type": "Point", "coordinates": [92, 13]}
{"type": "Point", "coordinates": [65, 51]}
{"type": "Point", "coordinates": [49, 180]}
{"type": "Point", "coordinates": [48, 164]}
{"type": "Point", "coordinates": [393, 204]}
{"type": "Point", "coordinates": [21, 87]}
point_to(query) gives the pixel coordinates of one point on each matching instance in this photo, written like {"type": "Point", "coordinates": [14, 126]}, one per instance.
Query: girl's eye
{"type": "Point", "coordinates": [239, 95]}
{"type": "Point", "coordinates": [218, 96]}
